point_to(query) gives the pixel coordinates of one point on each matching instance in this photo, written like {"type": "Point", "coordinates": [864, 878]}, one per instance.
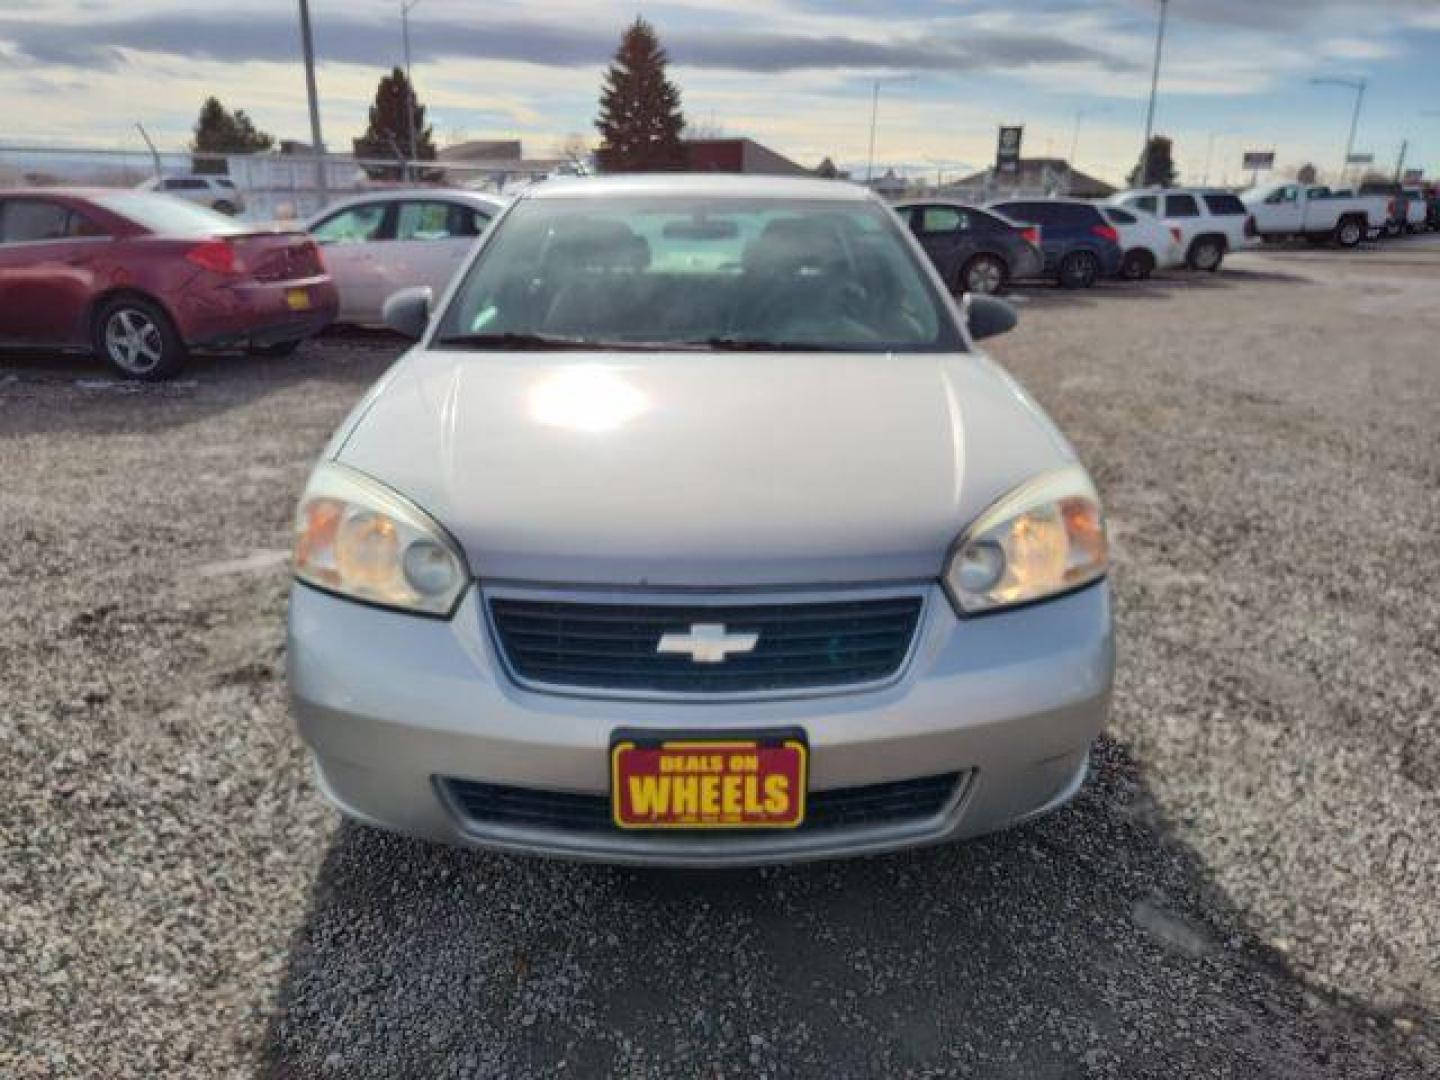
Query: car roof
{"type": "Point", "coordinates": [1059, 200]}
{"type": "Point", "coordinates": [938, 202]}
{"type": "Point", "coordinates": [718, 185]}
{"type": "Point", "coordinates": [58, 192]}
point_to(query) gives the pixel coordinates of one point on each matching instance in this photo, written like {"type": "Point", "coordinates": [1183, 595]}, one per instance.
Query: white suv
{"type": "Point", "coordinates": [1211, 223]}
{"type": "Point", "coordinates": [213, 192]}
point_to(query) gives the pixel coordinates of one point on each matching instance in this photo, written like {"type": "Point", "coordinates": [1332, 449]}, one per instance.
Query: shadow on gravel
{"type": "Point", "coordinates": [1086, 944]}
{"type": "Point", "coordinates": [54, 392]}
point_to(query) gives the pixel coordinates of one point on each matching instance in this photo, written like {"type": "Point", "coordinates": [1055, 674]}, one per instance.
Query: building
{"type": "Point", "coordinates": [1035, 176]}
{"type": "Point", "coordinates": [738, 156]}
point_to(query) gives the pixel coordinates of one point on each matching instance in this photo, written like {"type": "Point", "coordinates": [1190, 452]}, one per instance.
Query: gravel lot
{"type": "Point", "coordinates": [1246, 888]}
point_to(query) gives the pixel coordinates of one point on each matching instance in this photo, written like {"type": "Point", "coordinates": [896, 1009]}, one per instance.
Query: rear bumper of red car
{"type": "Point", "coordinates": [257, 313]}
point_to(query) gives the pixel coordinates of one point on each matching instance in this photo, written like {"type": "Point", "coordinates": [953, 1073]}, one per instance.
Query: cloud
{"type": "Point", "coordinates": [346, 39]}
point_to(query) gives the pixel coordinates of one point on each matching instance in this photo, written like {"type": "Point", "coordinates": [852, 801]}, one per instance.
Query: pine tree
{"type": "Point", "coordinates": [219, 131]}
{"type": "Point", "coordinates": [640, 120]}
{"type": "Point", "coordinates": [388, 133]}
{"type": "Point", "coordinates": [1157, 164]}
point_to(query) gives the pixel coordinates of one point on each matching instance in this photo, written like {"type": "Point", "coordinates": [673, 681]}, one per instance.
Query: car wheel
{"type": "Point", "coordinates": [1137, 265]}
{"type": "Point", "coordinates": [984, 274]}
{"type": "Point", "coordinates": [279, 348]}
{"type": "Point", "coordinates": [1078, 270]}
{"type": "Point", "coordinates": [1206, 254]}
{"type": "Point", "coordinates": [138, 339]}
{"type": "Point", "coordinates": [1349, 233]}
{"type": "Point", "coordinates": [1392, 229]}
{"type": "Point", "coordinates": [224, 207]}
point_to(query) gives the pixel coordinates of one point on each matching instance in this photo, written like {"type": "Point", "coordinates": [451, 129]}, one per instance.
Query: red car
{"type": "Point", "coordinates": [141, 279]}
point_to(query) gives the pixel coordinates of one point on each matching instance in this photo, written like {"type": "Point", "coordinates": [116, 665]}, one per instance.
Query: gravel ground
{"type": "Point", "coordinates": [1246, 888]}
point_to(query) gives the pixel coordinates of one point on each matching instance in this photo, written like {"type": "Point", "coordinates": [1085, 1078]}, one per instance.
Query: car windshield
{"type": "Point", "coordinates": [698, 273]}
{"type": "Point", "coordinates": [165, 215]}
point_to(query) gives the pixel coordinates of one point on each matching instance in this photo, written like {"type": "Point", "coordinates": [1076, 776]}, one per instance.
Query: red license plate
{"type": "Point", "coordinates": [708, 783]}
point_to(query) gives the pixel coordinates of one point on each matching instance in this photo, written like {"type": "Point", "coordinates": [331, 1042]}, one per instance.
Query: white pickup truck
{"type": "Point", "coordinates": [1281, 211]}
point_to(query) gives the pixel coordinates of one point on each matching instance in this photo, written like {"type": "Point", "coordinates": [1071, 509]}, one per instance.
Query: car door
{"type": "Point", "coordinates": [944, 232]}
{"type": "Point", "coordinates": [48, 266]}
{"type": "Point", "coordinates": [353, 239]}
{"type": "Point", "coordinates": [432, 238]}
{"type": "Point", "coordinates": [1183, 212]}
{"type": "Point", "coordinates": [1282, 210]}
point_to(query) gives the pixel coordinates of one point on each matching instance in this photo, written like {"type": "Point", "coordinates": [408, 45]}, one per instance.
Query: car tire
{"type": "Point", "coordinates": [1349, 232]}
{"type": "Point", "coordinates": [1078, 270]}
{"type": "Point", "coordinates": [136, 337]}
{"type": "Point", "coordinates": [1392, 230]}
{"type": "Point", "coordinates": [985, 275]}
{"type": "Point", "coordinates": [278, 349]}
{"type": "Point", "coordinates": [1206, 254]}
{"type": "Point", "coordinates": [1137, 265]}
{"type": "Point", "coordinates": [224, 207]}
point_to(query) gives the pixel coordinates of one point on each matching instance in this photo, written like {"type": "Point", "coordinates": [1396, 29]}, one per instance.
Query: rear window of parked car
{"type": "Point", "coordinates": [1119, 217]}
{"type": "Point", "coordinates": [1225, 205]}
{"type": "Point", "coordinates": [164, 216]}
{"type": "Point", "coordinates": [1149, 203]}
{"type": "Point", "coordinates": [1068, 215]}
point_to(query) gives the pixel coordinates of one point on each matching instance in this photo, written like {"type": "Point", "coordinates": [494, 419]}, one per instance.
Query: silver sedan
{"type": "Point", "coordinates": [695, 530]}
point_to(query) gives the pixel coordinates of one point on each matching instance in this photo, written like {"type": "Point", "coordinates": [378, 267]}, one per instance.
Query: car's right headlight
{"type": "Point", "coordinates": [1045, 538]}
{"type": "Point", "coordinates": [357, 538]}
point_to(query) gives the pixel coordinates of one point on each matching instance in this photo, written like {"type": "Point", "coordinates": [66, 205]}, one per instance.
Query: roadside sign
{"type": "Point", "coordinates": [1259, 159]}
{"type": "Point", "coordinates": [1007, 152]}
{"type": "Point", "coordinates": [1414, 176]}
{"type": "Point", "coordinates": [1360, 159]}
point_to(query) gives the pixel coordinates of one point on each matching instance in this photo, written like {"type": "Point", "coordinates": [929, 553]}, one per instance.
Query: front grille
{"type": "Point", "coordinates": [856, 807]}
{"type": "Point", "coordinates": [614, 646]}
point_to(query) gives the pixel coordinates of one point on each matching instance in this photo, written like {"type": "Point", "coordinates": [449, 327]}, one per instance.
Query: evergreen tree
{"type": "Point", "coordinates": [388, 133]}
{"type": "Point", "coordinates": [219, 131]}
{"type": "Point", "coordinates": [640, 120]}
{"type": "Point", "coordinates": [1157, 164]}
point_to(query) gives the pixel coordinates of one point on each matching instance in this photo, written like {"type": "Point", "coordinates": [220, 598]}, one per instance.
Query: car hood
{"type": "Point", "coordinates": [700, 470]}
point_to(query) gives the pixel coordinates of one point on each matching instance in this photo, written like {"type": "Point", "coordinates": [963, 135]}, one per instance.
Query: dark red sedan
{"type": "Point", "coordinates": [141, 279]}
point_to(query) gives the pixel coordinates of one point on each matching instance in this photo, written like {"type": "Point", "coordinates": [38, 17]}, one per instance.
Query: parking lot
{"type": "Point", "coordinates": [1246, 887]}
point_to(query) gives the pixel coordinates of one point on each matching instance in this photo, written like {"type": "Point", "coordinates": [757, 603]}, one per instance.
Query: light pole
{"type": "Point", "coordinates": [1358, 85]}
{"type": "Point", "coordinates": [407, 6]}
{"type": "Point", "coordinates": [307, 44]}
{"type": "Point", "coordinates": [1154, 88]}
{"type": "Point", "coordinates": [874, 116]}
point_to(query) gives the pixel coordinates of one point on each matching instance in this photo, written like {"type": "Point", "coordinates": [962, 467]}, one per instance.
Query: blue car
{"type": "Point", "coordinates": [1078, 243]}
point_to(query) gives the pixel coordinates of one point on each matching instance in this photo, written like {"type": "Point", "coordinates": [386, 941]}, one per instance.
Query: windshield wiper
{"type": "Point", "coordinates": [512, 339]}
{"type": "Point", "coordinates": [737, 344]}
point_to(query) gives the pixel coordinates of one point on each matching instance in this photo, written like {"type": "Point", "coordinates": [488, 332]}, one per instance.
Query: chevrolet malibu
{"type": "Point", "coordinates": [695, 530]}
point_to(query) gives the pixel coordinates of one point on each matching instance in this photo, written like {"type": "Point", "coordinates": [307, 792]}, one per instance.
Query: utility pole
{"type": "Point", "coordinates": [1357, 85]}
{"type": "Point", "coordinates": [1154, 88]}
{"type": "Point", "coordinates": [407, 6]}
{"type": "Point", "coordinates": [874, 115]}
{"type": "Point", "coordinates": [307, 43]}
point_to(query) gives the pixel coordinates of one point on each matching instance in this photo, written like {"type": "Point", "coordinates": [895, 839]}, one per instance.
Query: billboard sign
{"type": "Point", "coordinates": [1414, 176]}
{"type": "Point", "coordinates": [1259, 159]}
{"type": "Point", "coordinates": [1360, 159]}
{"type": "Point", "coordinates": [1007, 151]}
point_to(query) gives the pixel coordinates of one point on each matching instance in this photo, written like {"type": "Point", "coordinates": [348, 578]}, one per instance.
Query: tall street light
{"type": "Point", "coordinates": [874, 116]}
{"type": "Point", "coordinates": [407, 6]}
{"type": "Point", "coordinates": [1358, 85]}
{"type": "Point", "coordinates": [1154, 88]}
{"type": "Point", "coordinates": [307, 44]}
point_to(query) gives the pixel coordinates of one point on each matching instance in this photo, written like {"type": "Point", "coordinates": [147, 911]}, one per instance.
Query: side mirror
{"type": "Point", "coordinates": [407, 312]}
{"type": "Point", "coordinates": [987, 316]}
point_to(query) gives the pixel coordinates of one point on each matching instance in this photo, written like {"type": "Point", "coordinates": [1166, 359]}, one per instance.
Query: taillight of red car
{"type": "Point", "coordinates": [1106, 232]}
{"type": "Point", "coordinates": [310, 255]}
{"type": "Point", "coordinates": [1031, 233]}
{"type": "Point", "coordinates": [217, 256]}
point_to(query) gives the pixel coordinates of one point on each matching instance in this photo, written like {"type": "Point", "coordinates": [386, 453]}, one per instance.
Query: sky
{"type": "Point", "coordinates": [798, 75]}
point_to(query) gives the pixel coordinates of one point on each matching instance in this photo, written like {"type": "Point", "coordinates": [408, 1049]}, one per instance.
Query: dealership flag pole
{"type": "Point", "coordinates": [308, 44]}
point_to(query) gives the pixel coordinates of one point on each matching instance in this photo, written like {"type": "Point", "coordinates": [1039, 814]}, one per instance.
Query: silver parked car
{"type": "Point", "coordinates": [696, 531]}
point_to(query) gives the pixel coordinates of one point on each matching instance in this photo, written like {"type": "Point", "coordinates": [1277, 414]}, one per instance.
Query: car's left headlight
{"type": "Point", "coordinates": [356, 537]}
{"type": "Point", "coordinates": [1045, 538]}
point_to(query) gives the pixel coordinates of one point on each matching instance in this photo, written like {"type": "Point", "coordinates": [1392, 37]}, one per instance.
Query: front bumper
{"type": "Point", "coordinates": [392, 704]}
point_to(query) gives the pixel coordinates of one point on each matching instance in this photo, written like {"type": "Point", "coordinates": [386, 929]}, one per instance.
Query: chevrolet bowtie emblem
{"type": "Point", "coordinates": [708, 643]}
